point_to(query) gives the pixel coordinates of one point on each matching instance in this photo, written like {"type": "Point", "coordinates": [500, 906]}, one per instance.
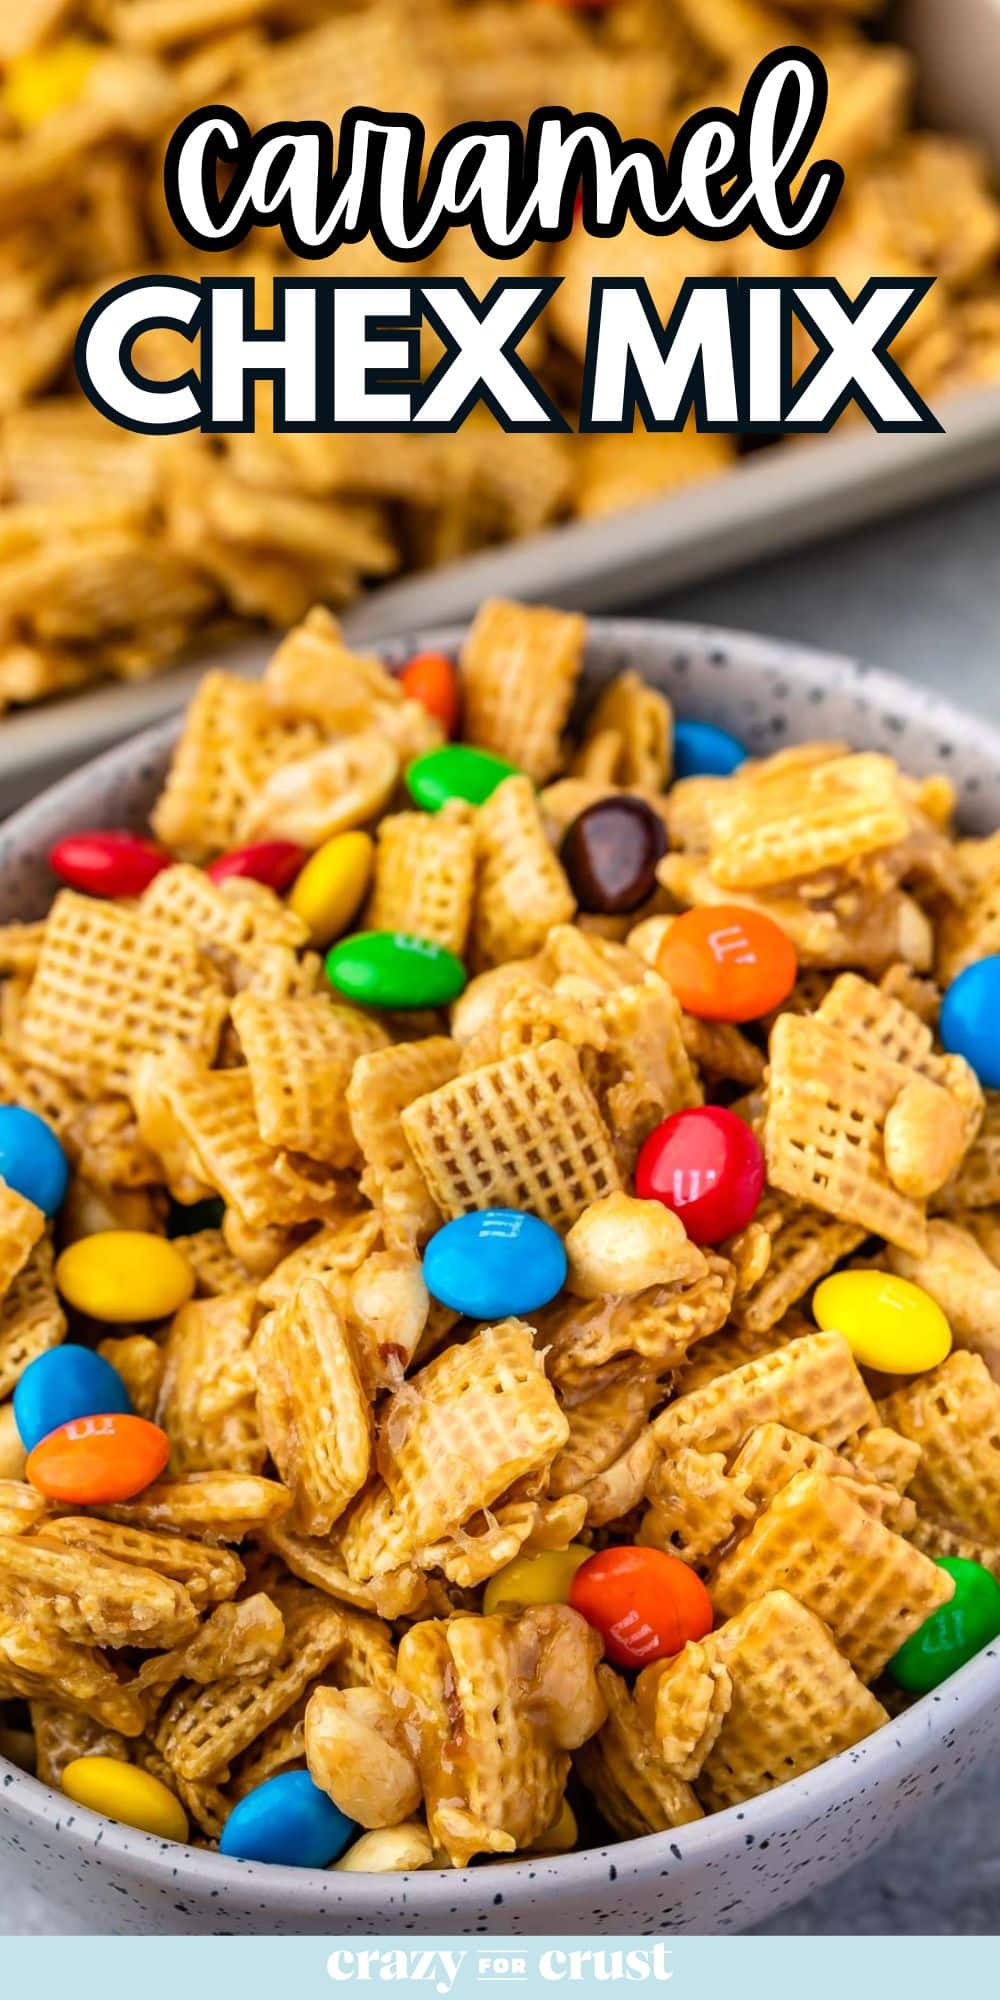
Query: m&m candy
{"type": "Point", "coordinates": [121, 1275]}
{"type": "Point", "coordinates": [98, 1461]}
{"type": "Point", "coordinates": [275, 863]}
{"type": "Point", "coordinates": [394, 969]}
{"type": "Point", "coordinates": [495, 1262]}
{"type": "Point", "coordinates": [725, 963]}
{"type": "Point", "coordinates": [432, 679]}
{"type": "Point", "coordinates": [954, 1633]}
{"type": "Point", "coordinates": [970, 1018]}
{"type": "Point", "coordinates": [887, 1322]}
{"type": "Point", "coordinates": [125, 1793]}
{"type": "Point", "coordinates": [67, 1382]}
{"type": "Point", "coordinates": [703, 751]}
{"type": "Point", "coordinates": [107, 863]}
{"type": "Point", "coordinates": [329, 892]}
{"type": "Point", "coordinates": [287, 1820]}
{"type": "Point", "coordinates": [458, 771]}
{"type": "Point", "coordinates": [544, 1578]}
{"type": "Point", "coordinates": [708, 1167]}
{"type": "Point", "coordinates": [645, 1604]}
{"type": "Point", "coordinates": [610, 852]}
{"type": "Point", "coordinates": [32, 1161]}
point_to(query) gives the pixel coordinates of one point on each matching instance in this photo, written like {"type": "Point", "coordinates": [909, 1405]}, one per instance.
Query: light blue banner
{"type": "Point", "coordinates": [491, 1968]}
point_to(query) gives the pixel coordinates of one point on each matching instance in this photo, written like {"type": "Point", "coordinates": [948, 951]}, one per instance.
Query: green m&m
{"type": "Point", "coordinates": [456, 772]}
{"type": "Point", "coordinates": [394, 969]}
{"type": "Point", "coordinates": [954, 1633]}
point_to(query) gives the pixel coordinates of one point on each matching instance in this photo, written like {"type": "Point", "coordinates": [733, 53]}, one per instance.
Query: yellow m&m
{"type": "Point", "coordinates": [44, 81]}
{"type": "Point", "coordinates": [121, 1275]}
{"type": "Point", "coordinates": [123, 1792]}
{"type": "Point", "coordinates": [327, 893]}
{"type": "Point", "coordinates": [540, 1579]}
{"type": "Point", "coordinates": [887, 1322]}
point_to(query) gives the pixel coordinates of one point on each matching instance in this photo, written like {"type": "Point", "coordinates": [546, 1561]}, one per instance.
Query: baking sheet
{"type": "Point", "coordinates": [774, 500]}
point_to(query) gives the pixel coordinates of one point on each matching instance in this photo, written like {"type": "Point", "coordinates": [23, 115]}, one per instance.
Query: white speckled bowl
{"type": "Point", "coordinates": [728, 1871]}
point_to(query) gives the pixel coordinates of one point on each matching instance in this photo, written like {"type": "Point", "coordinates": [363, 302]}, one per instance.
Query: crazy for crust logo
{"type": "Point", "coordinates": [461, 1970]}
{"type": "Point", "coordinates": [343, 354]}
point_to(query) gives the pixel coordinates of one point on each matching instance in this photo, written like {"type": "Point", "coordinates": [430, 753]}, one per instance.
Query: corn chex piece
{"type": "Point", "coordinates": [868, 1585]}
{"type": "Point", "coordinates": [953, 1414]}
{"type": "Point", "coordinates": [37, 1662]}
{"type": "Point", "coordinates": [233, 738]}
{"type": "Point", "coordinates": [264, 1185]}
{"type": "Point", "coordinates": [21, 1508]}
{"type": "Point", "coordinates": [837, 922]}
{"type": "Point", "coordinates": [732, 1348]}
{"type": "Point", "coordinates": [211, 1506]}
{"type": "Point", "coordinates": [280, 1747]}
{"type": "Point", "coordinates": [523, 1133]}
{"type": "Point", "coordinates": [403, 1595]}
{"type": "Point", "coordinates": [622, 1768]}
{"type": "Point", "coordinates": [215, 1268]}
{"type": "Point", "coordinates": [825, 1134]}
{"type": "Point", "coordinates": [210, 1576]}
{"type": "Point", "coordinates": [963, 1281]}
{"type": "Point", "coordinates": [499, 1702]}
{"type": "Point", "coordinates": [95, 1600]}
{"type": "Point", "coordinates": [656, 1326]}
{"type": "Point", "coordinates": [314, 1412]}
{"type": "Point", "coordinates": [300, 1054]}
{"type": "Point", "coordinates": [521, 887]}
{"type": "Point", "coordinates": [883, 1455]}
{"type": "Point", "coordinates": [112, 986]}
{"type": "Point", "coordinates": [236, 1640]}
{"type": "Point", "coordinates": [520, 666]}
{"type": "Point", "coordinates": [795, 1700]}
{"type": "Point", "coordinates": [886, 1022]}
{"type": "Point", "coordinates": [139, 1362]}
{"type": "Point", "coordinates": [977, 1182]}
{"type": "Point", "coordinates": [152, 1089]}
{"type": "Point", "coordinates": [936, 1541]}
{"type": "Point", "coordinates": [696, 1505]}
{"type": "Point", "coordinates": [313, 673]}
{"type": "Point", "coordinates": [332, 1252]}
{"type": "Point", "coordinates": [381, 1086]}
{"type": "Point", "coordinates": [810, 1385]}
{"type": "Point", "coordinates": [601, 1427]}
{"type": "Point", "coordinates": [805, 1245]}
{"type": "Point", "coordinates": [806, 819]}
{"type": "Point", "coordinates": [62, 1734]}
{"type": "Point", "coordinates": [425, 865]}
{"type": "Point", "coordinates": [643, 1073]}
{"type": "Point", "coordinates": [452, 1439]}
{"type": "Point", "coordinates": [640, 719]}
{"type": "Point", "coordinates": [206, 1403]}
{"type": "Point", "coordinates": [969, 928]}
{"type": "Point", "coordinates": [685, 1702]}
{"type": "Point", "coordinates": [202, 1729]}
{"type": "Point", "coordinates": [773, 1454]}
{"type": "Point", "coordinates": [241, 925]}
{"type": "Point", "coordinates": [31, 1317]}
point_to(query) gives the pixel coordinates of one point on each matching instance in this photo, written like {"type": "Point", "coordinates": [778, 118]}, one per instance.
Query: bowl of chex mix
{"type": "Point", "coordinates": [553, 1469]}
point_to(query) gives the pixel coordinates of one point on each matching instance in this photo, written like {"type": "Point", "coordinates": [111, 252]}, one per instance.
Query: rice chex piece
{"type": "Point", "coordinates": [872, 1588]}
{"type": "Point", "coordinates": [522, 890]}
{"type": "Point", "coordinates": [805, 1245]}
{"type": "Point", "coordinates": [829, 1096]}
{"type": "Point", "coordinates": [314, 1412]}
{"type": "Point", "coordinates": [425, 865]}
{"type": "Point", "coordinates": [381, 1086]}
{"type": "Point", "coordinates": [810, 1385]}
{"type": "Point", "coordinates": [233, 738]}
{"type": "Point", "coordinates": [953, 1414]}
{"type": "Point", "coordinates": [112, 986]}
{"type": "Point", "coordinates": [625, 1773]}
{"type": "Point", "coordinates": [206, 1403]}
{"type": "Point", "coordinates": [31, 1317]}
{"type": "Point", "coordinates": [523, 1133]}
{"type": "Point", "coordinates": [520, 665]}
{"type": "Point", "coordinates": [811, 818]}
{"type": "Point", "coordinates": [300, 1055]}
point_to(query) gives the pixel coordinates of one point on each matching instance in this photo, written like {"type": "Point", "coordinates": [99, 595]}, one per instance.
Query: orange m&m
{"type": "Point", "coordinates": [725, 963]}
{"type": "Point", "coordinates": [95, 1461]}
{"type": "Point", "coordinates": [645, 1604]}
{"type": "Point", "coordinates": [431, 679]}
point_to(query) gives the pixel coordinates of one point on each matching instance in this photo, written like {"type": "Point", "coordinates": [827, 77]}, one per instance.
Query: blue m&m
{"type": "Point", "coordinates": [970, 1019]}
{"type": "Point", "coordinates": [32, 1161]}
{"type": "Point", "coordinates": [66, 1383]}
{"type": "Point", "coordinates": [287, 1820]}
{"type": "Point", "coordinates": [703, 751]}
{"type": "Point", "coordinates": [493, 1263]}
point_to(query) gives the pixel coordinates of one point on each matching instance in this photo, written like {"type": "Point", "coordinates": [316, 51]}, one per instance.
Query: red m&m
{"type": "Point", "coordinates": [708, 1167]}
{"type": "Point", "coordinates": [725, 963]}
{"type": "Point", "coordinates": [107, 863]}
{"type": "Point", "coordinates": [275, 863]}
{"type": "Point", "coordinates": [645, 1604]}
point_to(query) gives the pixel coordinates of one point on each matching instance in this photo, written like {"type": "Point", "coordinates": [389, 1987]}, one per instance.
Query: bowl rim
{"type": "Point", "coordinates": [896, 1744]}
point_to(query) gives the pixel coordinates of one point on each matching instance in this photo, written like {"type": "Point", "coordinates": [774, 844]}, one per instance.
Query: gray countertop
{"type": "Point", "coordinates": [921, 596]}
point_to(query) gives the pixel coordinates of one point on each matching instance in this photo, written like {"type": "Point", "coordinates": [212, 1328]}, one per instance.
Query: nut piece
{"type": "Point", "coordinates": [356, 1751]}
{"type": "Point", "coordinates": [620, 1245]}
{"type": "Point", "coordinates": [390, 1850]}
{"type": "Point", "coordinates": [925, 1139]}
